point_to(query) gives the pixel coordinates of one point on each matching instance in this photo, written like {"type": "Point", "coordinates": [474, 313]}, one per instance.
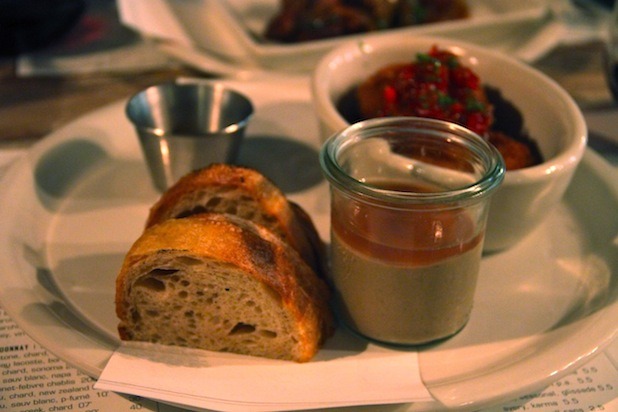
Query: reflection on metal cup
{"type": "Point", "coordinates": [183, 127]}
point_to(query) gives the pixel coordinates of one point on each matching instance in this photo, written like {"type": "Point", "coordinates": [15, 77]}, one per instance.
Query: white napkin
{"type": "Point", "coordinates": [347, 372]}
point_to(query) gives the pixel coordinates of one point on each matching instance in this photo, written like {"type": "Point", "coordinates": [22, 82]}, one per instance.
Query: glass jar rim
{"type": "Point", "coordinates": [492, 177]}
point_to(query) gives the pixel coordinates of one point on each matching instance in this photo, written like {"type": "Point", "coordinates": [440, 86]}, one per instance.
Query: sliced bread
{"type": "Point", "coordinates": [219, 282]}
{"type": "Point", "coordinates": [244, 192]}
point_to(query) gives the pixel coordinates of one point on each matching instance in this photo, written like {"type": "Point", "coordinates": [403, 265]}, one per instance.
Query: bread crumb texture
{"type": "Point", "coordinates": [207, 305]}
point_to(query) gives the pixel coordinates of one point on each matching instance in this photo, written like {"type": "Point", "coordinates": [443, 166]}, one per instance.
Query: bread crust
{"type": "Point", "coordinates": [248, 247]}
{"type": "Point", "coordinates": [191, 194]}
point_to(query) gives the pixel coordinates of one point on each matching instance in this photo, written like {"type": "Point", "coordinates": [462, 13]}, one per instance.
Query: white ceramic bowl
{"type": "Point", "coordinates": [550, 115]}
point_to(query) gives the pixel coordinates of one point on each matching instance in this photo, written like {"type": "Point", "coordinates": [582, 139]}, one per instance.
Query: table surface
{"type": "Point", "coordinates": [33, 107]}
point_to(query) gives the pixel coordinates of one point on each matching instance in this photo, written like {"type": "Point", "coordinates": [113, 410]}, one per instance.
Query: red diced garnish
{"type": "Point", "coordinates": [436, 85]}
{"type": "Point", "coordinates": [390, 95]}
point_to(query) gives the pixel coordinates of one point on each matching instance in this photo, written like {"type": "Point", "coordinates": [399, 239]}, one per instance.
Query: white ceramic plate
{"type": "Point", "coordinates": [233, 30]}
{"type": "Point", "coordinates": [75, 203]}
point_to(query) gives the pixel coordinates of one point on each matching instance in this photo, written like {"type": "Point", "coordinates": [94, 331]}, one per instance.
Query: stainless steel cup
{"type": "Point", "coordinates": [183, 127]}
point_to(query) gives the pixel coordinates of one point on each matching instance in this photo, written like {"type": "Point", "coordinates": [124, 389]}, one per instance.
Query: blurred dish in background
{"type": "Point", "coordinates": [232, 31]}
{"type": "Point", "coordinates": [307, 20]}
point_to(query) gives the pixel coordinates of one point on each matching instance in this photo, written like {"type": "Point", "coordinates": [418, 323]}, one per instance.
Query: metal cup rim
{"type": "Point", "coordinates": [160, 132]}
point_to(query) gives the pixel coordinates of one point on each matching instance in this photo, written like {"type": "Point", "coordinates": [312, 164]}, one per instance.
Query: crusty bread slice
{"type": "Point", "coordinates": [242, 191]}
{"type": "Point", "coordinates": [219, 282]}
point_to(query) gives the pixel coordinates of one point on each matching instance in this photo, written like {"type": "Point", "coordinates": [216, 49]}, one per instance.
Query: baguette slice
{"type": "Point", "coordinates": [244, 192]}
{"type": "Point", "coordinates": [219, 282]}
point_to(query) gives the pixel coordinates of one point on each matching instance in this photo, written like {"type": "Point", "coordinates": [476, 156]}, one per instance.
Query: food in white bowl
{"type": "Point", "coordinates": [548, 115]}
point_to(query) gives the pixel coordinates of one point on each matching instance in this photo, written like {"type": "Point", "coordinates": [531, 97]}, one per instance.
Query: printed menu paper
{"type": "Point", "coordinates": [32, 379]}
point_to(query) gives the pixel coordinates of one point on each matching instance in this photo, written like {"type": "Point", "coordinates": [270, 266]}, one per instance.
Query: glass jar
{"type": "Point", "coordinates": [409, 202]}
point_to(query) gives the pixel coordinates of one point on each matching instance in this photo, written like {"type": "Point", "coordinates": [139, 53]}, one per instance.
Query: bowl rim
{"type": "Point", "coordinates": [563, 161]}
